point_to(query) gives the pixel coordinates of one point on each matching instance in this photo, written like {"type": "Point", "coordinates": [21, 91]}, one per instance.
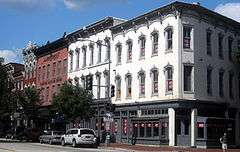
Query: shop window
{"type": "Point", "coordinates": [164, 128]}
{"type": "Point", "coordinates": [135, 129]}
{"type": "Point", "coordinates": [156, 129]}
{"type": "Point", "coordinates": [142, 129]}
{"type": "Point", "coordinates": [149, 129]}
{"type": "Point", "coordinates": [200, 129]}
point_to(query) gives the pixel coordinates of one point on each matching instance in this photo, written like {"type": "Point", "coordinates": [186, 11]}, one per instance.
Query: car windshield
{"type": "Point", "coordinates": [58, 133]}
{"type": "Point", "coordinates": [87, 131]}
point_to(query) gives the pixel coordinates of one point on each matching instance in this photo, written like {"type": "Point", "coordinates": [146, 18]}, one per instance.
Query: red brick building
{"type": "Point", "coordinates": [51, 69]}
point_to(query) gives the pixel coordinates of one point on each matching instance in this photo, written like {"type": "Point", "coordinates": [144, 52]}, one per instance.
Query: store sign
{"type": "Point", "coordinates": [200, 125]}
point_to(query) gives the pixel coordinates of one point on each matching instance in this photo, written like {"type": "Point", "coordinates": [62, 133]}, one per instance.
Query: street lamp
{"type": "Point", "coordinates": [108, 85]}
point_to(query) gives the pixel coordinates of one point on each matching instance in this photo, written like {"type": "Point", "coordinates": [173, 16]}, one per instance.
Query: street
{"type": "Point", "coordinates": [36, 147]}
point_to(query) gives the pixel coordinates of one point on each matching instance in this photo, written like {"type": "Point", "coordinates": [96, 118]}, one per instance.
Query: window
{"type": "Point", "coordinates": [106, 75]}
{"type": "Point", "coordinates": [77, 58]}
{"type": "Point", "coordinates": [186, 127]}
{"type": "Point", "coordinates": [169, 35]}
{"type": "Point", "coordinates": [118, 87]}
{"type": "Point", "coordinates": [129, 85]}
{"type": "Point", "coordinates": [200, 129]}
{"type": "Point", "coordinates": [155, 43]}
{"type": "Point", "coordinates": [99, 45]}
{"type": "Point", "coordinates": [154, 81]}
{"type": "Point", "coordinates": [59, 68]}
{"type": "Point", "coordinates": [156, 129]}
{"type": "Point", "coordinates": [129, 50]}
{"type": "Point", "coordinates": [142, 129]}
{"type": "Point", "coordinates": [98, 86]}
{"type": "Point", "coordinates": [230, 81]}
{"type": "Point", "coordinates": [48, 71]}
{"type": "Point", "coordinates": [91, 49]}
{"type": "Point", "coordinates": [119, 53]}
{"type": "Point", "coordinates": [220, 45]}
{"type": "Point", "coordinates": [178, 127]}
{"type": "Point", "coordinates": [107, 43]}
{"type": "Point", "coordinates": [149, 129]}
{"type": "Point", "coordinates": [187, 37]}
{"type": "Point", "coordinates": [54, 69]}
{"type": "Point", "coordinates": [39, 74]}
{"type": "Point", "coordinates": [220, 82]}
{"type": "Point", "coordinates": [230, 42]}
{"type": "Point", "coordinates": [142, 41]}
{"type": "Point", "coordinates": [43, 73]}
{"type": "Point", "coordinates": [83, 81]}
{"type": "Point", "coordinates": [84, 50]}
{"type": "Point", "coordinates": [209, 42]}
{"type": "Point", "coordinates": [76, 81]}
{"type": "Point", "coordinates": [65, 66]}
{"type": "Point", "coordinates": [169, 79]}
{"type": "Point", "coordinates": [141, 83]}
{"type": "Point", "coordinates": [71, 61]}
{"type": "Point", "coordinates": [187, 78]}
{"type": "Point", "coordinates": [209, 80]}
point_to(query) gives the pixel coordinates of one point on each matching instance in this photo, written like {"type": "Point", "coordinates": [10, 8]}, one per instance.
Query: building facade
{"type": "Point", "coordinates": [90, 57]}
{"type": "Point", "coordinates": [51, 69]}
{"type": "Point", "coordinates": [30, 63]}
{"type": "Point", "coordinates": [177, 80]}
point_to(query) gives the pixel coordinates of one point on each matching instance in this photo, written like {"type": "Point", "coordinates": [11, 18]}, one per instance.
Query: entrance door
{"type": "Point", "coordinates": [183, 131]}
{"type": "Point", "coordinates": [163, 134]}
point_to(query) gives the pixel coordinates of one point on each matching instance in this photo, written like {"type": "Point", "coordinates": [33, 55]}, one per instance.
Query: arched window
{"type": "Point", "coordinates": [77, 57]}
{"type": "Point", "coordinates": [154, 75]}
{"type": "Point", "coordinates": [107, 43]}
{"type": "Point", "coordinates": [99, 46]}
{"type": "Point", "coordinates": [169, 78]}
{"type": "Point", "coordinates": [142, 43]}
{"type": "Point", "coordinates": [98, 77]}
{"type": "Point", "coordinates": [154, 43]}
{"type": "Point", "coordinates": [129, 50]}
{"type": "Point", "coordinates": [129, 85]}
{"type": "Point", "coordinates": [118, 87]}
{"type": "Point", "coordinates": [141, 76]}
{"type": "Point", "coordinates": [91, 49]}
{"type": "Point", "coordinates": [84, 51]}
{"type": "Point", "coordinates": [71, 60]}
{"type": "Point", "coordinates": [169, 36]}
{"type": "Point", "coordinates": [119, 53]}
{"type": "Point", "coordinates": [106, 76]}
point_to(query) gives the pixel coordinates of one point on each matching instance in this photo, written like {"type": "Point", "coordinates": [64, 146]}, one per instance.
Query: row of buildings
{"type": "Point", "coordinates": [176, 76]}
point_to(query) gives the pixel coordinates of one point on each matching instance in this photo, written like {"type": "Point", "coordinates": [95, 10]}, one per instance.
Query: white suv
{"type": "Point", "coordinates": [82, 136]}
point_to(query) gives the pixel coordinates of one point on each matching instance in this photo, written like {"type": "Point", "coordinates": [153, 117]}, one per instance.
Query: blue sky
{"type": "Point", "coordinates": [42, 20]}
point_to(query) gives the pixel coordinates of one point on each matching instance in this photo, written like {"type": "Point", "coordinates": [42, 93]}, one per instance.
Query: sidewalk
{"type": "Point", "coordinates": [143, 148]}
{"type": "Point", "coordinates": [2, 140]}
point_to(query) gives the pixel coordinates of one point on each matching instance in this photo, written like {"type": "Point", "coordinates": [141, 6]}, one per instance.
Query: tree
{"type": "Point", "coordinates": [73, 102]}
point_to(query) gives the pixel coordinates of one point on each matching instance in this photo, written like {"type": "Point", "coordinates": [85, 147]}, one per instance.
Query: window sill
{"type": "Point", "coordinates": [141, 96]}
{"type": "Point", "coordinates": [168, 51]}
{"type": "Point", "coordinates": [142, 58]}
{"type": "Point", "coordinates": [188, 92]}
{"type": "Point", "coordinates": [118, 64]}
{"type": "Point", "coordinates": [117, 99]}
{"type": "Point", "coordinates": [129, 61]}
{"type": "Point", "coordinates": [154, 95]}
{"type": "Point", "coordinates": [128, 98]}
{"type": "Point", "coordinates": [155, 54]}
{"type": "Point", "coordinates": [187, 50]}
{"type": "Point", "coordinates": [83, 68]}
{"type": "Point", "coordinates": [169, 93]}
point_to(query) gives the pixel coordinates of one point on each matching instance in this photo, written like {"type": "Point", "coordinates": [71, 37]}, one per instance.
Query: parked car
{"type": "Point", "coordinates": [82, 136]}
{"type": "Point", "coordinates": [51, 137]}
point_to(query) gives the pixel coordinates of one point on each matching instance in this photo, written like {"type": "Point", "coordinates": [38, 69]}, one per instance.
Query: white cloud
{"type": "Point", "coordinates": [231, 10]}
{"type": "Point", "coordinates": [27, 5]}
{"type": "Point", "coordinates": [11, 55]}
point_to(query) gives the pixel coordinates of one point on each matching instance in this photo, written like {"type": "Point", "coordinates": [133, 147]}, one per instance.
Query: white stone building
{"type": "Point", "coordinates": [176, 78]}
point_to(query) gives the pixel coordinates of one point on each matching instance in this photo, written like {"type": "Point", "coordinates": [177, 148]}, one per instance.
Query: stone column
{"type": "Point", "coordinates": [172, 132]}
{"type": "Point", "coordinates": [193, 127]}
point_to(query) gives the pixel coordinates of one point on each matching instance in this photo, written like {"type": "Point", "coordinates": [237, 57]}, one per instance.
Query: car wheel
{"type": "Point", "coordinates": [62, 142]}
{"type": "Point", "coordinates": [74, 143]}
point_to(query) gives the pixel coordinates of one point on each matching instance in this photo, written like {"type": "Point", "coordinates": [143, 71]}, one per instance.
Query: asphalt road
{"type": "Point", "coordinates": [36, 147]}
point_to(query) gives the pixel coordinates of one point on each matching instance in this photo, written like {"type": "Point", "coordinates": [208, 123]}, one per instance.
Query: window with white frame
{"type": "Point", "coordinates": [155, 43]}
{"type": "Point", "coordinates": [142, 41]}
{"type": "Point", "coordinates": [99, 46]}
{"type": "Point", "coordinates": [107, 43]}
{"type": "Point", "coordinates": [209, 42]}
{"type": "Point", "coordinates": [169, 78]}
{"type": "Point", "coordinates": [98, 77]}
{"type": "Point", "coordinates": [141, 76]}
{"type": "Point", "coordinates": [129, 85]}
{"type": "Point", "coordinates": [84, 51]}
{"type": "Point", "coordinates": [230, 84]}
{"type": "Point", "coordinates": [129, 50]}
{"type": "Point", "coordinates": [118, 87]}
{"type": "Point", "coordinates": [77, 58]}
{"type": "Point", "coordinates": [188, 77]}
{"type": "Point", "coordinates": [187, 37]}
{"type": "Point", "coordinates": [154, 73]}
{"type": "Point", "coordinates": [209, 80]}
{"type": "Point", "coordinates": [220, 83]}
{"type": "Point", "coordinates": [220, 45]}
{"type": "Point", "coordinates": [119, 53]}
{"type": "Point", "coordinates": [169, 36]}
{"type": "Point", "coordinates": [91, 49]}
{"type": "Point", "coordinates": [71, 60]}
{"type": "Point", "coordinates": [230, 46]}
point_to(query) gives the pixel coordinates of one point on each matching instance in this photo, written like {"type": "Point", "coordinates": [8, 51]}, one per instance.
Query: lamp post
{"type": "Point", "coordinates": [108, 85]}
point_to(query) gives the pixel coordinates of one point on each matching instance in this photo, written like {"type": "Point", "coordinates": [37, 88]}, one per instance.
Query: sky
{"type": "Point", "coordinates": [40, 21]}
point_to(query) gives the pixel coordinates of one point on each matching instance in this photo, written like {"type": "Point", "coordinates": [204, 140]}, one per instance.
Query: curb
{"type": "Point", "coordinates": [3, 140]}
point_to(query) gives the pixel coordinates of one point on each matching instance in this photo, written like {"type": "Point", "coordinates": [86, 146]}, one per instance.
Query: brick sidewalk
{"type": "Point", "coordinates": [165, 148]}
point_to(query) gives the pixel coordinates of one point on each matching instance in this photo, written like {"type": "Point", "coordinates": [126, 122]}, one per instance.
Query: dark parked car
{"type": "Point", "coordinates": [51, 137]}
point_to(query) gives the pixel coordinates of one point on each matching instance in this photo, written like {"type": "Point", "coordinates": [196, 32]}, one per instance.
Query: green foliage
{"type": "Point", "coordinates": [73, 102]}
